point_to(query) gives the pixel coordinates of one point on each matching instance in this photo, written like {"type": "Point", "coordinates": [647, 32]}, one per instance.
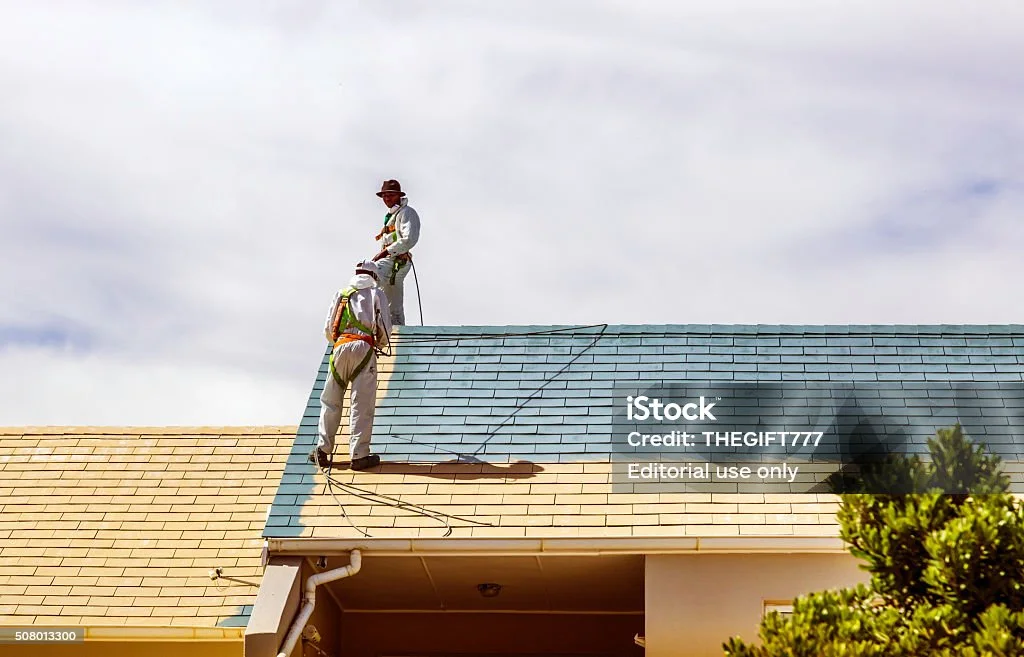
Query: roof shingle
{"type": "Point", "coordinates": [120, 526]}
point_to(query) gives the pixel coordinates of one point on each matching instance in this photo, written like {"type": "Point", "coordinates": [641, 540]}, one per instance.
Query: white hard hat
{"type": "Point", "coordinates": [368, 267]}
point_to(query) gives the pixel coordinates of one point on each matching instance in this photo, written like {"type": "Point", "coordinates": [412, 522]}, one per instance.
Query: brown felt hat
{"type": "Point", "coordinates": [391, 186]}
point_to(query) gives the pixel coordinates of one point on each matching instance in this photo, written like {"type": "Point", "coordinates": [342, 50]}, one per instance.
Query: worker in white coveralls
{"type": "Point", "coordinates": [400, 233]}
{"type": "Point", "coordinates": [358, 322]}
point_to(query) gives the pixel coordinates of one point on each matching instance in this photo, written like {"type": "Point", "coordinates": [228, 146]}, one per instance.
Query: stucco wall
{"type": "Point", "coordinates": [695, 602]}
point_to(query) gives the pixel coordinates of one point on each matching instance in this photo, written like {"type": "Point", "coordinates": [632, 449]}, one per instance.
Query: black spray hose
{"type": "Point", "coordinates": [418, 299]}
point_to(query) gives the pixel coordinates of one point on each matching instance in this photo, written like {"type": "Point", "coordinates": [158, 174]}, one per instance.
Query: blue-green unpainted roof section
{"type": "Point", "coordinates": [545, 393]}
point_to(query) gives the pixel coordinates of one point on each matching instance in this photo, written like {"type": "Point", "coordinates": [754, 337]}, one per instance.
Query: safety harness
{"type": "Point", "coordinates": [341, 332]}
{"type": "Point", "coordinates": [400, 260]}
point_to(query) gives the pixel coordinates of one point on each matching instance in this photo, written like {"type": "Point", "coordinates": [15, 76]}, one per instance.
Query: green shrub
{"type": "Point", "coordinates": [946, 562]}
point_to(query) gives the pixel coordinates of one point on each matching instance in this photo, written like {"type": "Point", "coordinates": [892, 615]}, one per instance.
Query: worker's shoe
{"type": "Point", "coordinates": [322, 460]}
{"type": "Point", "coordinates": [365, 463]}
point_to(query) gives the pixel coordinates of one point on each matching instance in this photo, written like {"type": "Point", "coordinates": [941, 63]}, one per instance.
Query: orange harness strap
{"type": "Point", "coordinates": [352, 337]}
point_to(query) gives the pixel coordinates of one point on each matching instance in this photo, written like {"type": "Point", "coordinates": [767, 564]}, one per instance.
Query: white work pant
{"type": "Point", "coordinates": [396, 292]}
{"type": "Point", "coordinates": [363, 402]}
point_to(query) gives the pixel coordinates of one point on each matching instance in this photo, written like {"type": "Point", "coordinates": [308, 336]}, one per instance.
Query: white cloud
{"type": "Point", "coordinates": [63, 386]}
{"type": "Point", "coordinates": [187, 183]}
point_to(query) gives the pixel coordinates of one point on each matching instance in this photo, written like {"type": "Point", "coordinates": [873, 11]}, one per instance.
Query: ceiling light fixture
{"type": "Point", "coordinates": [489, 590]}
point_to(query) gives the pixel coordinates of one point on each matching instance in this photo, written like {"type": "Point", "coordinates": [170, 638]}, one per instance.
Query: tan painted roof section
{"type": "Point", "coordinates": [120, 526]}
{"type": "Point", "coordinates": [542, 500]}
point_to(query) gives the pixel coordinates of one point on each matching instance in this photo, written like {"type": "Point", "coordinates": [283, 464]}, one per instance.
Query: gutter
{"type": "Point", "coordinates": [309, 600]}
{"type": "Point", "coordinates": [449, 547]}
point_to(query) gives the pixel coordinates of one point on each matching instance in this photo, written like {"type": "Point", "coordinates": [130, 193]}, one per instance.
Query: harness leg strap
{"type": "Point", "coordinates": [355, 373]}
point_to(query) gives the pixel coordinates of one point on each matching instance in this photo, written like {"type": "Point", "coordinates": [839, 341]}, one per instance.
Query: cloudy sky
{"type": "Point", "coordinates": [184, 185]}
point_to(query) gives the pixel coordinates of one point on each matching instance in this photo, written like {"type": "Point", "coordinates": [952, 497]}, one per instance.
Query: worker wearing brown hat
{"type": "Point", "coordinates": [400, 233]}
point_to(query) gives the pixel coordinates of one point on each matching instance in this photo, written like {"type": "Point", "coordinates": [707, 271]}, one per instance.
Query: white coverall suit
{"type": "Point", "coordinates": [401, 232]}
{"type": "Point", "coordinates": [369, 306]}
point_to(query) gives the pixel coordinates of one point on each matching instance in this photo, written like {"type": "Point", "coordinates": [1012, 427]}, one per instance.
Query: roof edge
{"type": "Point", "coordinates": [557, 546]}
{"type": "Point", "coordinates": [147, 632]}
{"type": "Point", "coordinates": [163, 633]}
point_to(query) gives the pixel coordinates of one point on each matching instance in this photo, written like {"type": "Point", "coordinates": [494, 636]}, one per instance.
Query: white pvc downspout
{"type": "Point", "coordinates": [309, 600]}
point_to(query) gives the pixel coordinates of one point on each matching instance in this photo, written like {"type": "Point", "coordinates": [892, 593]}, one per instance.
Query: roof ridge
{"type": "Point", "coordinates": [100, 430]}
{"type": "Point", "coordinates": [618, 329]}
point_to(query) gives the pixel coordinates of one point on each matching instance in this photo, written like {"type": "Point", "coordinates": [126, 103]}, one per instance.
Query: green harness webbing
{"type": "Point", "coordinates": [397, 263]}
{"type": "Point", "coordinates": [348, 320]}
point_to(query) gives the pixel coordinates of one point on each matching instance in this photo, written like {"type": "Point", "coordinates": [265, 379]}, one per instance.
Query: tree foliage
{"type": "Point", "coordinates": [946, 558]}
